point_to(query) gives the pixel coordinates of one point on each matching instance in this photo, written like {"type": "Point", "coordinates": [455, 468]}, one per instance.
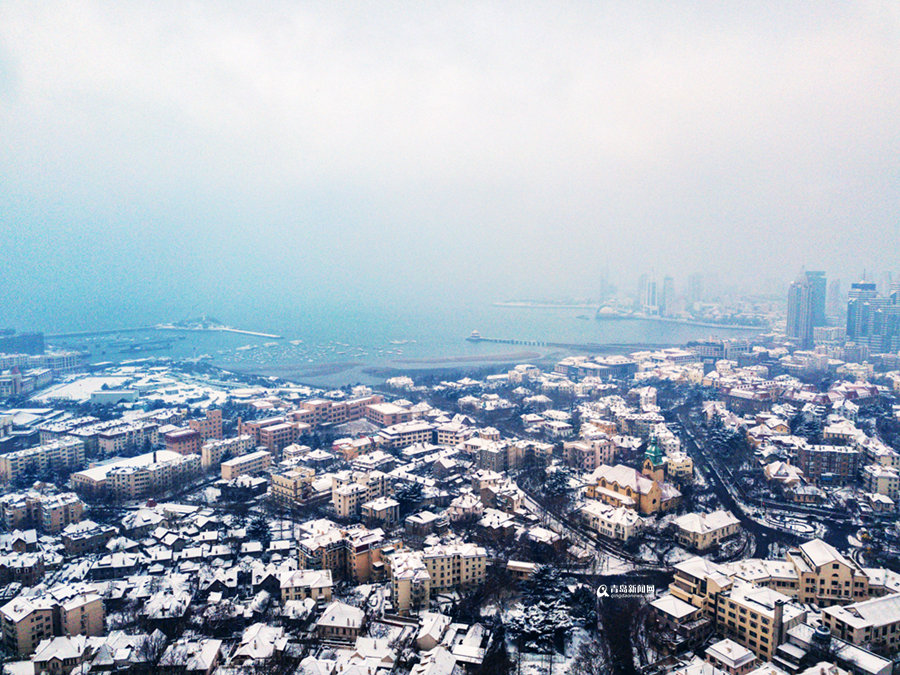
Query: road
{"type": "Point", "coordinates": [836, 531]}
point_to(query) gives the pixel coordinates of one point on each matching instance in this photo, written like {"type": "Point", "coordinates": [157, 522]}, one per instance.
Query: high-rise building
{"type": "Point", "coordinates": [861, 304]}
{"type": "Point", "coordinates": [695, 288]}
{"type": "Point", "coordinates": [667, 305]}
{"type": "Point", "coordinates": [834, 303]}
{"type": "Point", "coordinates": [806, 307]}
{"type": "Point", "coordinates": [649, 294]}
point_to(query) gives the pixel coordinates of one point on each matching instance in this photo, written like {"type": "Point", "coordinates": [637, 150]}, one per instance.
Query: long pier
{"type": "Point", "coordinates": [160, 327]}
{"type": "Point", "coordinates": [595, 347]}
{"type": "Point", "coordinates": [92, 333]}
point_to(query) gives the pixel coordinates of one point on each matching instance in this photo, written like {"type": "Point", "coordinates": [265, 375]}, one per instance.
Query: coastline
{"type": "Point", "coordinates": [680, 322]}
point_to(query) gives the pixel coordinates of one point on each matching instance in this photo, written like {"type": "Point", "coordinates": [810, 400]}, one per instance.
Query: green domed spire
{"type": "Point", "coordinates": [653, 453]}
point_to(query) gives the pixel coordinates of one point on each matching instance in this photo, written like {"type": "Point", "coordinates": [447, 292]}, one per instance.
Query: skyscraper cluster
{"type": "Point", "coordinates": [874, 319]}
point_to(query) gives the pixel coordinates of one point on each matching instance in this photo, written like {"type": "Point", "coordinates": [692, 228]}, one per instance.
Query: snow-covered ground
{"type": "Point", "coordinates": [79, 390]}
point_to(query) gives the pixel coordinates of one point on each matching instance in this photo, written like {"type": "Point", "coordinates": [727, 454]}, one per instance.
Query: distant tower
{"type": "Point", "coordinates": [695, 288]}
{"type": "Point", "coordinates": [861, 305]}
{"type": "Point", "coordinates": [649, 295]}
{"type": "Point", "coordinates": [806, 307]}
{"type": "Point", "coordinates": [834, 303]}
{"type": "Point", "coordinates": [667, 306]}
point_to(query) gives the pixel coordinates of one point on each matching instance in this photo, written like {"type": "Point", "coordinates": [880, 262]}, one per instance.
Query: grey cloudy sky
{"type": "Point", "coordinates": [166, 148]}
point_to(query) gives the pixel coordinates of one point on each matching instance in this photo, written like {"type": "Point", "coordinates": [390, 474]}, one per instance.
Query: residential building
{"type": "Point", "coordinates": [455, 566]}
{"type": "Point", "coordinates": [63, 610]}
{"type": "Point", "coordinates": [382, 509]}
{"type": "Point", "coordinates": [184, 441]}
{"type": "Point", "coordinates": [701, 531]}
{"type": "Point", "coordinates": [873, 623]}
{"type": "Point", "coordinates": [615, 522]}
{"type": "Point", "coordinates": [292, 486]}
{"type": "Point", "coordinates": [214, 451]}
{"type": "Point", "coordinates": [302, 584]}
{"type": "Point", "coordinates": [881, 480]}
{"type": "Point", "coordinates": [410, 581]}
{"type": "Point", "coordinates": [249, 464]}
{"type": "Point", "coordinates": [61, 455]}
{"type": "Point", "coordinates": [135, 477]}
{"type": "Point", "coordinates": [209, 427]}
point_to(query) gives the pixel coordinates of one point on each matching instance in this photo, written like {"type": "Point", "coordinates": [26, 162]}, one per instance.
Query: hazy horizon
{"type": "Point", "coordinates": [170, 159]}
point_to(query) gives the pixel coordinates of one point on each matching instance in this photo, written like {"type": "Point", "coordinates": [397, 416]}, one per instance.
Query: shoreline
{"type": "Point", "coordinates": [680, 322]}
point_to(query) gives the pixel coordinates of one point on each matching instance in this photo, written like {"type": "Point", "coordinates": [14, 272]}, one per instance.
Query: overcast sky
{"type": "Point", "coordinates": [353, 150]}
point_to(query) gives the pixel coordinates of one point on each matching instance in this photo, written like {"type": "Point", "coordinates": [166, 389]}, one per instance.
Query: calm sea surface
{"type": "Point", "coordinates": [331, 346]}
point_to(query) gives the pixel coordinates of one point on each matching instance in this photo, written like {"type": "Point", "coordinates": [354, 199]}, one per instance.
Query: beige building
{"type": "Point", "coordinates": [356, 553]}
{"type": "Point", "coordinates": [64, 610]}
{"type": "Point", "coordinates": [872, 623]}
{"type": "Point", "coordinates": [621, 485]}
{"type": "Point", "coordinates": [351, 489]}
{"type": "Point", "coordinates": [455, 566]}
{"type": "Point", "coordinates": [64, 454]}
{"type": "Point", "coordinates": [701, 531]}
{"type": "Point", "coordinates": [212, 451]}
{"type": "Point", "coordinates": [48, 513]}
{"type": "Point", "coordinates": [403, 435]}
{"type": "Point", "coordinates": [150, 474]}
{"type": "Point", "coordinates": [387, 414]}
{"type": "Point", "coordinates": [249, 464]}
{"type": "Point", "coordinates": [881, 480]}
{"type": "Point", "coordinates": [302, 584]}
{"type": "Point", "coordinates": [127, 437]}
{"type": "Point", "coordinates": [756, 617]}
{"type": "Point", "coordinates": [293, 486]}
{"type": "Point", "coordinates": [615, 522]}
{"type": "Point", "coordinates": [410, 582]}
{"type": "Point", "coordinates": [383, 509]}
{"type": "Point", "coordinates": [679, 466]}
{"type": "Point", "coordinates": [730, 657]}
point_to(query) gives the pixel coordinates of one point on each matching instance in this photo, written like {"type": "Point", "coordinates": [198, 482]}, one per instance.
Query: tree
{"type": "Point", "coordinates": [592, 658]}
{"type": "Point", "coordinates": [408, 496]}
{"type": "Point", "coordinates": [150, 650]}
{"type": "Point", "coordinates": [260, 530]}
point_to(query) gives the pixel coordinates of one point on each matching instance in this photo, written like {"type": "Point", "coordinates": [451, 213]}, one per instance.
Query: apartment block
{"type": "Point", "coordinates": [63, 610]}
{"type": "Point", "coordinates": [127, 437]}
{"type": "Point", "coordinates": [383, 509]}
{"type": "Point", "coordinates": [455, 566]}
{"type": "Point", "coordinates": [184, 441]}
{"type": "Point", "coordinates": [410, 581]}
{"type": "Point", "coordinates": [64, 454]}
{"type": "Point", "coordinates": [399, 436]}
{"type": "Point", "coordinates": [872, 623]}
{"type": "Point", "coordinates": [212, 451]}
{"type": "Point", "coordinates": [293, 486]}
{"type": "Point", "coordinates": [387, 414]}
{"type": "Point", "coordinates": [828, 464]}
{"type": "Point", "coordinates": [355, 552]}
{"type": "Point", "coordinates": [756, 617]}
{"type": "Point", "coordinates": [276, 437]}
{"type": "Point", "coordinates": [881, 480]}
{"type": "Point", "coordinates": [153, 473]}
{"type": "Point", "coordinates": [351, 489]}
{"type": "Point", "coordinates": [209, 427]}
{"type": "Point", "coordinates": [249, 464]}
